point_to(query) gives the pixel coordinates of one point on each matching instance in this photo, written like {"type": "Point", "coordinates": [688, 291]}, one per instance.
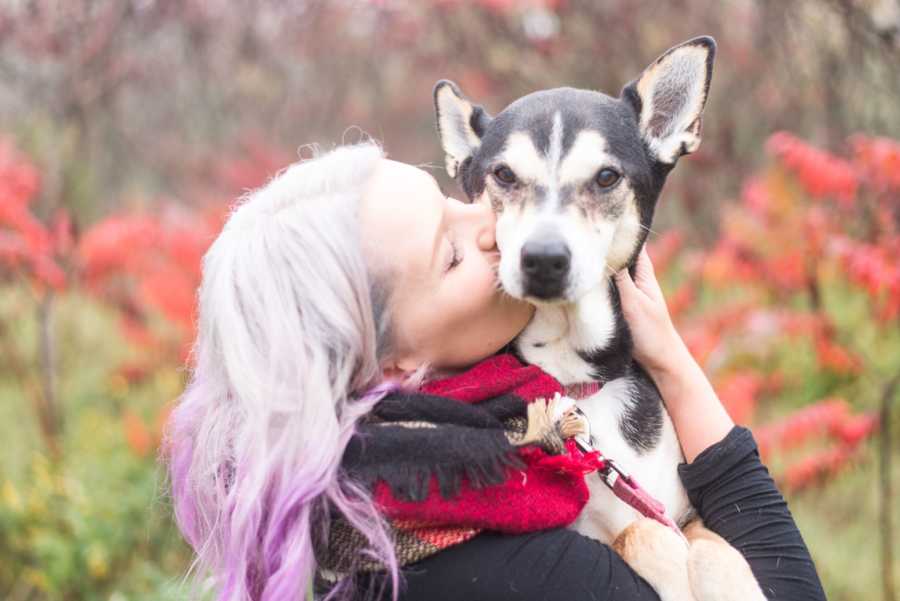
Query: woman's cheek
{"type": "Point", "coordinates": [465, 307]}
{"type": "Point", "coordinates": [470, 297]}
{"type": "Point", "coordinates": [481, 287]}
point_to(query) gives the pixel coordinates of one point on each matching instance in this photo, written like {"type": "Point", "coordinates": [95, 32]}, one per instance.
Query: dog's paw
{"type": "Point", "coordinates": [716, 570]}
{"type": "Point", "coordinates": [659, 556]}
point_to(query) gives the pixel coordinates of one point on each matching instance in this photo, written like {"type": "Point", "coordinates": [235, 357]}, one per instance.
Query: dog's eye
{"type": "Point", "coordinates": [505, 175]}
{"type": "Point", "coordinates": [606, 177]}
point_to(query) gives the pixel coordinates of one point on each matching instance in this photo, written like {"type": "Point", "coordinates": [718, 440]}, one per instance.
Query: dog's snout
{"type": "Point", "coordinates": [548, 258]}
{"type": "Point", "coordinates": [545, 266]}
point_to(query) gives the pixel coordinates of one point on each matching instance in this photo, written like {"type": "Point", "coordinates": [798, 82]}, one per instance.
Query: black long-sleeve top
{"type": "Point", "coordinates": [727, 484]}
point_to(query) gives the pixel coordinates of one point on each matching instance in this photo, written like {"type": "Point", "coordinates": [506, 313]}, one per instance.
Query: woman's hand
{"type": "Point", "coordinates": [699, 417]}
{"type": "Point", "coordinates": [657, 345]}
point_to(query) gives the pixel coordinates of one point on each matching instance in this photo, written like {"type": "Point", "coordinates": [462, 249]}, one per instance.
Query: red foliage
{"type": "Point", "coordinates": [681, 299]}
{"type": "Point", "coordinates": [705, 335]}
{"type": "Point", "coordinates": [257, 162]}
{"type": "Point", "coordinates": [821, 174]}
{"type": "Point", "coordinates": [856, 429]}
{"type": "Point", "coordinates": [834, 356]}
{"type": "Point", "coordinates": [879, 160]}
{"type": "Point", "coordinates": [664, 248]}
{"type": "Point", "coordinates": [19, 182]}
{"type": "Point", "coordinates": [730, 262]}
{"type": "Point", "coordinates": [137, 435]}
{"type": "Point", "coordinates": [742, 389]}
{"type": "Point", "coordinates": [811, 219]}
{"type": "Point", "coordinates": [701, 342]}
{"type": "Point", "coordinates": [133, 372]}
{"type": "Point", "coordinates": [797, 323]}
{"type": "Point", "coordinates": [739, 392]}
{"type": "Point", "coordinates": [816, 467]}
{"type": "Point", "coordinates": [794, 430]}
{"type": "Point", "coordinates": [117, 244]}
{"type": "Point", "coordinates": [829, 424]}
{"type": "Point", "coordinates": [28, 246]}
{"type": "Point", "coordinates": [841, 432]}
{"type": "Point", "coordinates": [874, 267]}
{"type": "Point", "coordinates": [142, 437]}
{"type": "Point", "coordinates": [149, 263]}
{"type": "Point", "coordinates": [756, 197]}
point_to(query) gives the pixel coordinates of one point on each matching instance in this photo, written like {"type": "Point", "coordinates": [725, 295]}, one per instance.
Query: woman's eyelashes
{"type": "Point", "coordinates": [455, 257]}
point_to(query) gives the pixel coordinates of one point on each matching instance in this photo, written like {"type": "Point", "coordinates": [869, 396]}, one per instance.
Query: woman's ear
{"type": "Point", "coordinates": [400, 368]}
{"type": "Point", "coordinates": [393, 373]}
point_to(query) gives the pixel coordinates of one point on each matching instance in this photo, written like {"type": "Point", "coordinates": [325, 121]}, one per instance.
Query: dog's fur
{"type": "Point", "coordinates": [573, 177]}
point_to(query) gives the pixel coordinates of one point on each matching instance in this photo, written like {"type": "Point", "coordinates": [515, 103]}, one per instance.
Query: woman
{"type": "Point", "coordinates": [348, 270]}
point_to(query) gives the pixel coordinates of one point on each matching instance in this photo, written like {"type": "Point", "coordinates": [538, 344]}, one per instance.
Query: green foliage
{"type": "Point", "coordinates": [839, 524]}
{"type": "Point", "coordinates": [97, 523]}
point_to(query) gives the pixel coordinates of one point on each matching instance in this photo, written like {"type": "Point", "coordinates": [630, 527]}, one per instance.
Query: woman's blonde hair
{"type": "Point", "coordinates": [293, 330]}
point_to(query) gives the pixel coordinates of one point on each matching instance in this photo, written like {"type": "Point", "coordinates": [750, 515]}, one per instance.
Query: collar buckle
{"type": "Point", "coordinates": [585, 440]}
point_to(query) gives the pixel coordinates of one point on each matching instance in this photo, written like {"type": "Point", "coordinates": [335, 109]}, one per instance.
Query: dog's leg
{"type": "Point", "coordinates": [716, 570]}
{"type": "Point", "coordinates": [659, 556]}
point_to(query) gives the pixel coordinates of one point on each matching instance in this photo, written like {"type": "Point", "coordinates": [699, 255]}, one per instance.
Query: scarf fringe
{"type": "Point", "coordinates": [485, 463]}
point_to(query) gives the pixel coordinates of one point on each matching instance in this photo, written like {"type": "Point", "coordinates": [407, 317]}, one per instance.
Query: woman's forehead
{"type": "Point", "coordinates": [396, 176]}
{"type": "Point", "coordinates": [401, 212]}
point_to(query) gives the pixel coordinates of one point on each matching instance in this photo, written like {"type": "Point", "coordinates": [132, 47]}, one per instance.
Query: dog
{"type": "Point", "coordinates": [573, 177]}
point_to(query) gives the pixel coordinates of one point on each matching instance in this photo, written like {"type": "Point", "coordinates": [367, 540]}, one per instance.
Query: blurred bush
{"type": "Point", "coordinates": [131, 126]}
{"type": "Point", "coordinates": [124, 101]}
{"type": "Point", "coordinates": [798, 301]}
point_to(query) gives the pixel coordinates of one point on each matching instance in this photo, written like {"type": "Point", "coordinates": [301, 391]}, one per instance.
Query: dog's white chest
{"type": "Point", "coordinates": [656, 470]}
{"type": "Point", "coordinates": [552, 339]}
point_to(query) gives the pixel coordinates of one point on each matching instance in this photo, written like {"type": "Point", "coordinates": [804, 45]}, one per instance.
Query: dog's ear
{"type": "Point", "coordinates": [460, 124]}
{"type": "Point", "coordinates": [669, 97]}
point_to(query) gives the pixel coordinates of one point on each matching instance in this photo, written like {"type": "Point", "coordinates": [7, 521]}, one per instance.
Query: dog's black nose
{"type": "Point", "coordinates": [546, 260]}
{"type": "Point", "coordinates": [545, 264]}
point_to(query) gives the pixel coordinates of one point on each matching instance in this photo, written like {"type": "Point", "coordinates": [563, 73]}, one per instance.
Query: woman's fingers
{"type": "Point", "coordinates": [643, 286]}
{"type": "Point", "coordinates": [645, 277]}
{"type": "Point", "coordinates": [643, 269]}
{"type": "Point", "coordinates": [627, 288]}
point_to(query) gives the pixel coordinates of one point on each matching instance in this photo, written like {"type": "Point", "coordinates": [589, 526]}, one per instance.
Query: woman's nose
{"type": "Point", "coordinates": [486, 224]}
{"type": "Point", "coordinates": [478, 220]}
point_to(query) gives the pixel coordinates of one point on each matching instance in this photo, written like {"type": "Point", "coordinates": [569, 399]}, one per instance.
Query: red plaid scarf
{"type": "Point", "coordinates": [543, 491]}
{"type": "Point", "coordinates": [550, 492]}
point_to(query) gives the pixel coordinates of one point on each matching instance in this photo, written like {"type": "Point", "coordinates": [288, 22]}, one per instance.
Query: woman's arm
{"type": "Point", "coordinates": [736, 497]}
{"type": "Point", "coordinates": [725, 480]}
